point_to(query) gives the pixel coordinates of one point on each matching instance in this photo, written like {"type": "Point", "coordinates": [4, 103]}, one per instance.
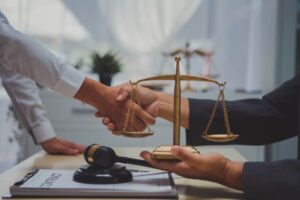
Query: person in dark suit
{"type": "Point", "coordinates": [273, 118]}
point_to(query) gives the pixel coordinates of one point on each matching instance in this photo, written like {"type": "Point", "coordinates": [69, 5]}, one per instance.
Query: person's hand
{"type": "Point", "coordinates": [212, 167]}
{"type": "Point", "coordinates": [148, 101]}
{"type": "Point", "coordinates": [60, 146]}
{"type": "Point", "coordinates": [147, 97]}
{"type": "Point", "coordinates": [103, 98]}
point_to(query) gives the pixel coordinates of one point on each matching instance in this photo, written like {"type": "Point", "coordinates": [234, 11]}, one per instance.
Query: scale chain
{"type": "Point", "coordinates": [130, 115]}
{"type": "Point", "coordinates": [212, 116]}
{"type": "Point", "coordinates": [225, 113]}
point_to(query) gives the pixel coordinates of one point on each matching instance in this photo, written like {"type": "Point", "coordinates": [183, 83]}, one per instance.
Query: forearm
{"type": "Point", "coordinates": [92, 93]}
{"type": "Point", "coordinates": [165, 104]}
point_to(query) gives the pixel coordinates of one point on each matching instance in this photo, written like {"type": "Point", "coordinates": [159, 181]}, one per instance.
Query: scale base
{"type": "Point", "coordinates": [92, 174]}
{"type": "Point", "coordinates": [164, 152]}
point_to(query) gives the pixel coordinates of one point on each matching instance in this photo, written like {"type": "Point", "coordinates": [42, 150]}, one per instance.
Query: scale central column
{"type": "Point", "coordinates": [177, 105]}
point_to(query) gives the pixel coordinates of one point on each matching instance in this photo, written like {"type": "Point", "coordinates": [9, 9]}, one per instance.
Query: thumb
{"type": "Point", "coordinates": [123, 94]}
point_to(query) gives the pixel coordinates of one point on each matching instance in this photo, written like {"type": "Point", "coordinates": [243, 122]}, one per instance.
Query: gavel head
{"type": "Point", "coordinates": [100, 156]}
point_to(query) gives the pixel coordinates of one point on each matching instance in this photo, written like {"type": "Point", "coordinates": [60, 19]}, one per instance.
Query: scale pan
{"type": "Point", "coordinates": [220, 137]}
{"type": "Point", "coordinates": [137, 134]}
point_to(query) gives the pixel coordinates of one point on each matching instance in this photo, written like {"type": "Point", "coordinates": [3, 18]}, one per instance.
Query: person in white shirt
{"type": "Point", "coordinates": [28, 106]}
{"type": "Point", "coordinates": [22, 60]}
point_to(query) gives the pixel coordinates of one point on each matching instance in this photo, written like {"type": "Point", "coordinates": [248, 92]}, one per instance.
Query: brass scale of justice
{"type": "Point", "coordinates": [163, 151]}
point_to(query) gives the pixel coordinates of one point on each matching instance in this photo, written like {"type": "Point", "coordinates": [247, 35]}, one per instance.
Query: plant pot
{"type": "Point", "coordinates": [106, 78]}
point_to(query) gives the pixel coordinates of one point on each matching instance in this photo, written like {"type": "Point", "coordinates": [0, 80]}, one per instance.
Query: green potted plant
{"type": "Point", "coordinates": [105, 66]}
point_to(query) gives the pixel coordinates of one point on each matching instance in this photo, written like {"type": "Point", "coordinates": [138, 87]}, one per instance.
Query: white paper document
{"type": "Point", "coordinates": [142, 181]}
{"type": "Point", "coordinates": [55, 183]}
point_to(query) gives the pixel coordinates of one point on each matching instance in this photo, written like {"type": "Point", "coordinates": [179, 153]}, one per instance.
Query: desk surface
{"type": "Point", "coordinates": [188, 189]}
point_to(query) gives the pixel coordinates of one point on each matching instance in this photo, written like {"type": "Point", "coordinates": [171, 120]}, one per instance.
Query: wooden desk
{"type": "Point", "coordinates": [188, 189]}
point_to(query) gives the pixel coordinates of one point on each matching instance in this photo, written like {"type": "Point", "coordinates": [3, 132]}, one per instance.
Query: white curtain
{"type": "Point", "coordinates": [244, 34]}
{"type": "Point", "coordinates": [241, 33]}
{"type": "Point", "coordinates": [144, 26]}
{"type": "Point", "coordinates": [138, 30]}
{"type": "Point", "coordinates": [48, 19]}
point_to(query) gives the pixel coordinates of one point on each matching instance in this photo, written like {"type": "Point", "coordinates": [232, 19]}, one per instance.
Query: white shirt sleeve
{"type": "Point", "coordinates": [28, 106]}
{"type": "Point", "coordinates": [23, 55]}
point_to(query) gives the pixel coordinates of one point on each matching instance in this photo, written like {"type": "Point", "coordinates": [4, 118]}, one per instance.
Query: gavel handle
{"type": "Point", "coordinates": [134, 161]}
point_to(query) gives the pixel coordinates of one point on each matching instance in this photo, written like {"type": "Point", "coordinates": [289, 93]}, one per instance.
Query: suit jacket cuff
{"type": "Point", "coordinates": [200, 111]}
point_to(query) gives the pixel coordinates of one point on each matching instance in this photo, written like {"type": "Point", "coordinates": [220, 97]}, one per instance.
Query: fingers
{"type": "Point", "coordinates": [143, 115]}
{"type": "Point", "coordinates": [60, 146]}
{"type": "Point", "coordinates": [117, 133]}
{"type": "Point", "coordinates": [106, 120]}
{"type": "Point", "coordinates": [98, 114]}
{"type": "Point", "coordinates": [159, 164]}
{"type": "Point", "coordinates": [179, 167]}
{"type": "Point", "coordinates": [139, 125]}
{"type": "Point", "coordinates": [81, 148]}
{"type": "Point", "coordinates": [185, 156]}
{"type": "Point", "coordinates": [147, 157]}
{"type": "Point", "coordinates": [109, 124]}
{"type": "Point", "coordinates": [142, 118]}
{"type": "Point", "coordinates": [63, 149]}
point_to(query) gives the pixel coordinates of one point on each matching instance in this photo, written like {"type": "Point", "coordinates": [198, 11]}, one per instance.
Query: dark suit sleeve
{"type": "Point", "coordinates": [258, 121]}
{"type": "Point", "coordinates": [272, 180]}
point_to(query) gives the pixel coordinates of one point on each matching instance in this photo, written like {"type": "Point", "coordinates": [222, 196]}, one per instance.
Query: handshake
{"type": "Point", "coordinates": [113, 103]}
{"type": "Point", "coordinates": [149, 105]}
{"type": "Point", "coordinates": [134, 116]}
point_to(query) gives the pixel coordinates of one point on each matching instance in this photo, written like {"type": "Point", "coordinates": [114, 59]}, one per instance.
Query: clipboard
{"type": "Point", "coordinates": [49, 183]}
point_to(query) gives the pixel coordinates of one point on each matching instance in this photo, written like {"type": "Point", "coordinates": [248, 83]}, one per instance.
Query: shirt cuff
{"type": "Point", "coordinates": [43, 131]}
{"type": "Point", "coordinates": [69, 82]}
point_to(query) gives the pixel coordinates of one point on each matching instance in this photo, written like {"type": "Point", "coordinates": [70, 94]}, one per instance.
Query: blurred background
{"type": "Point", "coordinates": [253, 45]}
